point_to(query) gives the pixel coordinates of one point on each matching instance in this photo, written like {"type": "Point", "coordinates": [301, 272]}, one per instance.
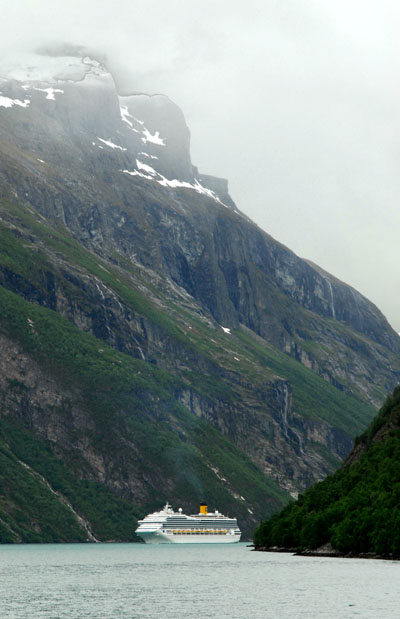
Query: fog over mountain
{"type": "Point", "coordinates": [295, 102]}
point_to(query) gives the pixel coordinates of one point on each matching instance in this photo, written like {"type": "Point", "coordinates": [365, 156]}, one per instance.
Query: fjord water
{"type": "Point", "coordinates": [78, 581]}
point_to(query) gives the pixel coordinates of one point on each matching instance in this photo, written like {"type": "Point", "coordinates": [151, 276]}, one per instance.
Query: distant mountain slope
{"type": "Point", "coordinates": [356, 510]}
{"type": "Point", "coordinates": [233, 380]}
{"type": "Point", "coordinates": [152, 337]}
{"type": "Point", "coordinates": [115, 419]}
{"type": "Point", "coordinates": [116, 172]}
{"type": "Point", "coordinates": [41, 501]}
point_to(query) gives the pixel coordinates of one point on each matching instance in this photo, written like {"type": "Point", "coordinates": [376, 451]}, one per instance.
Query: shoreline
{"type": "Point", "coordinates": [327, 551]}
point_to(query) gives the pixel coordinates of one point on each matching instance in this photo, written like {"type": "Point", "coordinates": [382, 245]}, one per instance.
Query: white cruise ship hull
{"type": "Point", "coordinates": [169, 527]}
{"type": "Point", "coordinates": [163, 538]}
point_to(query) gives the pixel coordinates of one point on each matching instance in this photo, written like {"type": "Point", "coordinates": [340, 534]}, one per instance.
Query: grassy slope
{"type": "Point", "coordinates": [31, 512]}
{"type": "Point", "coordinates": [358, 508]}
{"type": "Point", "coordinates": [111, 381]}
{"type": "Point", "coordinates": [116, 389]}
{"type": "Point", "coordinates": [313, 397]}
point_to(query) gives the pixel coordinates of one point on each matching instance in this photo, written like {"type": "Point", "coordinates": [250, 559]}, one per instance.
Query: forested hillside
{"type": "Point", "coordinates": [356, 510]}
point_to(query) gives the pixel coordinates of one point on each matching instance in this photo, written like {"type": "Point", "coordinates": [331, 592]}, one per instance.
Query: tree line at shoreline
{"type": "Point", "coordinates": [357, 509]}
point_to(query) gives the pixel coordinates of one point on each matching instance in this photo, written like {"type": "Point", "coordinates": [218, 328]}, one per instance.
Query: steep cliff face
{"type": "Point", "coordinates": [106, 222]}
{"type": "Point", "coordinates": [229, 377]}
{"type": "Point", "coordinates": [114, 420]}
{"type": "Point", "coordinates": [117, 172]}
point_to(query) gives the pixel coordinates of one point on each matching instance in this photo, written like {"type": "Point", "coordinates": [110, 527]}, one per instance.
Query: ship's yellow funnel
{"type": "Point", "coordinates": [203, 509]}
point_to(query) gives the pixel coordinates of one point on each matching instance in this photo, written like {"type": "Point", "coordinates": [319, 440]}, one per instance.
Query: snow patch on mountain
{"type": "Point", "coordinates": [7, 102]}
{"type": "Point", "coordinates": [50, 92]}
{"type": "Point", "coordinates": [111, 144]}
{"type": "Point", "coordinates": [148, 172]}
{"type": "Point", "coordinates": [159, 125]}
{"type": "Point", "coordinates": [146, 168]}
{"type": "Point", "coordinates": [125, 116]}
{"type": "Point", "coordinates": [147, 155]}
{"type": "Point", "coordinates": [137, 173]}
{"type": "Point", "coordinates": [154, 139]}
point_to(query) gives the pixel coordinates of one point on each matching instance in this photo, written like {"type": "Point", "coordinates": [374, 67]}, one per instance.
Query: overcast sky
{"type": "Point", "coordinates": [296, 102]}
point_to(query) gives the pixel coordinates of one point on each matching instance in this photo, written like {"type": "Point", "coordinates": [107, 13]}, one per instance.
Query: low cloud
{"type": "Point", "coordinates": [295, 102]}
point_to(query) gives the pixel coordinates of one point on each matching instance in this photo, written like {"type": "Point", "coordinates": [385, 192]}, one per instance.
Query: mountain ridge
{"type": "Point", "coordinates": [157, 264]}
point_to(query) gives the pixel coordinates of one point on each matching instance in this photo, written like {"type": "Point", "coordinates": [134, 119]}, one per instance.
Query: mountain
{"type": "Point", "coordinates": [356, 510]}
{"type": "Point", "coordinates": [153, 339]}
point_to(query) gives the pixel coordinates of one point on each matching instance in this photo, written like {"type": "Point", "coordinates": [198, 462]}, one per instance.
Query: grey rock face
{"type": "Point", "coordinates": [115, 172]}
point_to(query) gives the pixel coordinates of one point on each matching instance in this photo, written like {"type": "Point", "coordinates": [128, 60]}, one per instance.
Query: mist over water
{"type": "Point", "coordinates": [96, 581]}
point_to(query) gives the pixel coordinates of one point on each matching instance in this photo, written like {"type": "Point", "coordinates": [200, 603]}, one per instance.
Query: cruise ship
{"type": "Point", "coordinates": [167, 526]}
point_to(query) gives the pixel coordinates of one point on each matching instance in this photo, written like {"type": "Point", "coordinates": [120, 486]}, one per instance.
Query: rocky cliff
{"type": "Point", "coordinates": [267, 364]}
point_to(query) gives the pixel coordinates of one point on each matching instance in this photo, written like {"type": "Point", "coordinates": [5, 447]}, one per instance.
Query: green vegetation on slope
{"type": "Point", "coordinates": [17, 256]}
{"type": "Point", "coordinates": [312, 395]}
{"type": "Point", "coordinates": [30, 511]}
{"type": "Point", "coordinates": [358, 508]}
{"type": "Point", "coordinates": [120, 392]}
{"type": "Point", "coordinates": [132, 398]}
{"type": "Point", "coordinates": [108, 378]}
{"type": "Point", "coordinates": [206, 466]}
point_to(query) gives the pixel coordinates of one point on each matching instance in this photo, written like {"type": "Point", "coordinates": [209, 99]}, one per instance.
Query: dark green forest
{"type": "Point", "coordinates": [357, 509]}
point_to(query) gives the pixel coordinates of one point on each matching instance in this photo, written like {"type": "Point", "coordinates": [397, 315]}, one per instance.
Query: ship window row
{"type": "Point", "coordinates": [214, 532]}
{"type": "Point", "coordinates": [202, 523]}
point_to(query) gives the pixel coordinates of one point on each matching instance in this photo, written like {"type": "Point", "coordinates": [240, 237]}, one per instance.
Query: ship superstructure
{"type": "Point", "coordinates": [167, 526]}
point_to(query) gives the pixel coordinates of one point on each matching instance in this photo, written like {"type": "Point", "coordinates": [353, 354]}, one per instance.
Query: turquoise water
{"type": "Point", "coordinates": [79, 581]}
